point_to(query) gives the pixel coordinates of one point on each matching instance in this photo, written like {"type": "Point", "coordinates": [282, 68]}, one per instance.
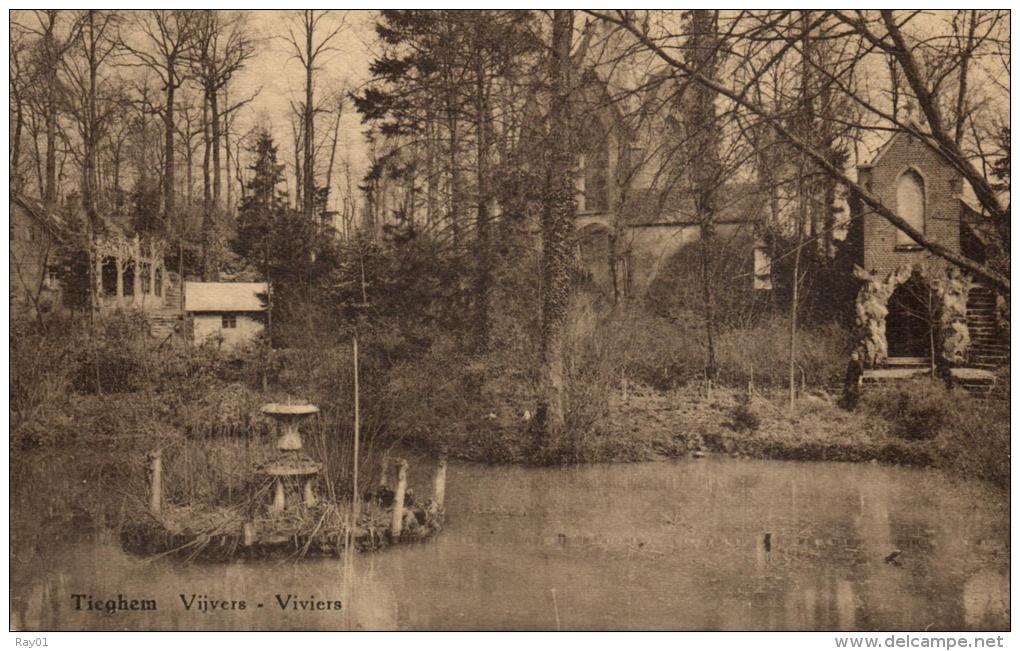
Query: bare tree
{"type": "Point", "coordinates": [890, 40]}
{"type": "Point", "coordinates": [91, 108]}
{"type": "Point", "coordinates": [18, 84]}
{"type": "Point", "coordinates": [223, 45]}
{"type": "Point", "coordinates": [55, 39]}
{"type": "Point", "coordinates": [311, 40]}
{"type": "Point", "coordinates": [167, 43]}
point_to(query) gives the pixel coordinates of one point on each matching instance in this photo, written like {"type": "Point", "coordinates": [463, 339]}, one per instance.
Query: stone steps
{"type": "Point", "coordinates": [988, 349]}
{"type": "Point", "coordinates": [164, 323]}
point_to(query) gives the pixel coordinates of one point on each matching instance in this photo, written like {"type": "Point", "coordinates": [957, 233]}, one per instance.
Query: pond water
{"type": "Point", "coordinates": [667, 545]}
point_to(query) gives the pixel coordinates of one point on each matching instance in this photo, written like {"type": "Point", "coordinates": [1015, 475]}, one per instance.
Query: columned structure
{"type": "Point", "coordinates": [130, 272]}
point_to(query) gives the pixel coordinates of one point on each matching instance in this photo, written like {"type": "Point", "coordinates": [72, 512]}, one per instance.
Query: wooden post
{"type": "Point", "coordinates": [279, 498]}
{"type": "Point", "coordinates": [156, 481]}
{"type": "Point", "coordinates": [398, 500]}
{"type": "Point", "coordinates": [439, 483]}
{"type": "Point", "coordinates": [355, 506]}
{"type": "Point", "coordinates": [136, 287]}
{"type": "Point", "coordinates": [248, 533]}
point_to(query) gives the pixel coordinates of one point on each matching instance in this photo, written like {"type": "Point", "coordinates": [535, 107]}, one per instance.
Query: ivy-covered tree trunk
{"type": "Point", "coordinates": [557, 230]}
{"type": "Point", "coordinates": [705, 167]}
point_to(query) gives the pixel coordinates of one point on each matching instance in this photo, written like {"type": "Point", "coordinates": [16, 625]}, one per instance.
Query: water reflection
{"type": "Point", "coordinates": [712, 544]}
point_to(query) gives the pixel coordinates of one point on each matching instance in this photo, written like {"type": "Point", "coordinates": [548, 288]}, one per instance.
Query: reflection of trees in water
{"type": "Point", "coordinates": [678, 545]}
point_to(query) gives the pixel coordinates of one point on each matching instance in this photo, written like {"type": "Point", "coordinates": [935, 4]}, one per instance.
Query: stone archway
{"type": "Point", "coordinates": [912, 321]}
{"type": "Point", "coordinates": [949, 288]}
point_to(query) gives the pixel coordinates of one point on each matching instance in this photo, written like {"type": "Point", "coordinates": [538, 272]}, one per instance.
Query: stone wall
{"type": "Point", "coordinates": [950, 285]}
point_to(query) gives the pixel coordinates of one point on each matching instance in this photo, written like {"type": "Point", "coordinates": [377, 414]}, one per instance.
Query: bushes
{"type": "Point", "coordinates": [972, 435]}
{"type": "Point", "coordinates": [759, 353]}
{"type": "Point", "coordinates": [677, 289]}
{"type": "Point", "coordinates": [979, 441]}
{"type": "Point", "coordinates": [915, 409]}
{"type": "Point", "coordinates": [664, 354]}
{"type": "Point", "coordinates": [110, 361]}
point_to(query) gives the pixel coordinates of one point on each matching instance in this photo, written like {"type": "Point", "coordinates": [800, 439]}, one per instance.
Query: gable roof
{"type": "Point", "coordinates": [224, 297]}
{"type": "Point", "coordinates": [50, 221]}
{"type": "Point", "coordinates": [913, 130]}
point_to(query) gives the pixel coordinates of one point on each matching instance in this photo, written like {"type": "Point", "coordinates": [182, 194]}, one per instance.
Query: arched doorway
{"type": "Point", "coordinates": [912, 321]}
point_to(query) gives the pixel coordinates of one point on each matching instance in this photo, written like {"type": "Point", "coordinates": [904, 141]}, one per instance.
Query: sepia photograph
{"type": "Point", "coordinates": [680, 320]}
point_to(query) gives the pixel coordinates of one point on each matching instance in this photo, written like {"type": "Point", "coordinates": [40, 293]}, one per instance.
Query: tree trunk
{"type": "Point", "coordinates": [706, 168]}
{"type": "Point", "coordinates": [557, 231]}
{"type": "Point", "coordinates": [430, 168]}
{"type": "Point", "coordinates": [19, 121]}
{"type": "Point", "coordinates": [332, 150]}
{"type": "Point", "coordinates": [168, 154]}
{"type": "Point", "coordinates": [226, 148]}
{"type": "Point", "coordinates": [707, 238]}
{"type": "Point", "coordinates": [793, 323]}
{"type": "Point", "coordinates": [299, 179]}
{"type": "Point", "coordinates": [309, 170]}
{"type": "Point", "coordinates": [89, 164]}
{"type": "Point", "coordinates": [50, 193]}
{"type": "Point", "coordinates": [214, 121]}
{"type": "Point", "coordinates": [206, 161]}
{"type": "Point", "coordinates": [483, 266]}
{"type": "Point", "coordinates": [210, 263]}
{"type": "Point", "coordinates": [454, 176]}
{"type": "Point", "coordinates": [961, 95]}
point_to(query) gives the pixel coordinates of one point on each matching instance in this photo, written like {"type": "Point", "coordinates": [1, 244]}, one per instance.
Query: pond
{"type": "Point", "coordinates": [708, 544]}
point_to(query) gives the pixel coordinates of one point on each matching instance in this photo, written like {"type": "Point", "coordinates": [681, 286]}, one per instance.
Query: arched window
{"type": "Point", "coordinates": [910, 205]}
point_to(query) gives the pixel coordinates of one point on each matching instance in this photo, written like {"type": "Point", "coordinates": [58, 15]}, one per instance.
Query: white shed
{"type": "Point", "coordinates": [235, 312]}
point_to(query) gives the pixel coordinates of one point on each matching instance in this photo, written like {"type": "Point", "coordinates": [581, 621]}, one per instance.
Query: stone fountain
{"type": "Point", "coordinates": [291, 462]}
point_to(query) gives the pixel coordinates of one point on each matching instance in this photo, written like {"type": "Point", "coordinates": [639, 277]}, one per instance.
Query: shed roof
{"type": "Point", "coordinates": [225, 297]}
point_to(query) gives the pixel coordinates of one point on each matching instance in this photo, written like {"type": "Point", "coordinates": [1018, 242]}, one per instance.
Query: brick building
{"type": "Point", "coordinates": [916, 309]}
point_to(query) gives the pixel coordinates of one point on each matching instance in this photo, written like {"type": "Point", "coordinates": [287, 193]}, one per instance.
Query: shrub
{"type": "Point", "coordinates": [678, 288]}
{"type": "Point", "coordinates": [979, 441]}
{"type": "Point", "coordinates": [972, 435]}
{"type": "Point", "coordinates": [665, 354]}
{"type": "Point", "coordinates": [916, 409]}
{"type": "Point", "coordinates": [759, 353]}
{"type": "Point", "coordinates": [744, 417]}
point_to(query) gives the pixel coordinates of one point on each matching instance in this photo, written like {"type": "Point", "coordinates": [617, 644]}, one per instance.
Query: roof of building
{"type": "Point", "coordinates": [912, 128]}
{"type": "Point", "coordinates": [225, 297]}
{"type": "Point", "coordinates": [50, 220]}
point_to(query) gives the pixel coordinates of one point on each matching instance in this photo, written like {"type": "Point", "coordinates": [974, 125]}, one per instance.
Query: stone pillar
{"type": "Point", "coordinates": [954, 289]}
{"type": "Point", "coordinates": [308, 492]}
{"type": "Point", "coordinates": [279, 497]}
{"type": "Point", "coordinates": [871, 309]}
{"type": "Point", "coordinates": [137, 277]}
{"type": "Point", "coordinates": [99, 274]}
{"type": "Point", "coordinates": [119, 261]}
